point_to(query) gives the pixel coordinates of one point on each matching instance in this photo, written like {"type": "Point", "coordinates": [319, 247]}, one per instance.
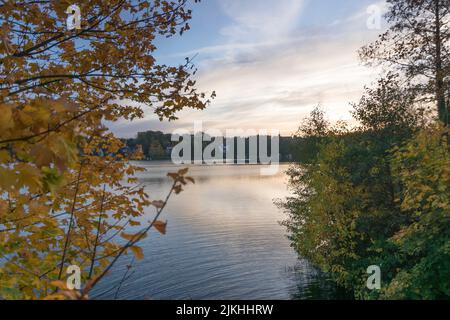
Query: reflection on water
{"type": "Point", "coordinates": [223, 241]}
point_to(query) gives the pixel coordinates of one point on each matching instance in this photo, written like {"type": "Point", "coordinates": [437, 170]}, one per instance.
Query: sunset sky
{"type": "Point", "coordinates": [270, 62]}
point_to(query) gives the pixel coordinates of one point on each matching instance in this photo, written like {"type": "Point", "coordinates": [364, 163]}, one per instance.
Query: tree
{"type": "Point", "coordinates": [422, 167]}
{"type": "Point", "coordinates": [378, 195]}
{"type": "Point", "coordinates": [315, 125]}
{"type": "Point", "coordinates": [312, 131]}
{"type": "Point", "coordinates": [156, 150]}
{"type": "Point", "coordinates": [110, 58]}
{"type": "Point", "coordinates": [63, 198]}
{"type": "Point", "coordinates": [371, 199]}
{"type": "Point", "coordinates": [389, 107]}
{"type": "Point", "coordinates": [418, 43]}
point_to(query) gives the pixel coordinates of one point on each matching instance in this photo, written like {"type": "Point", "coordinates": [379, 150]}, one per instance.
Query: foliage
{"type": "Point", "coordinates": [66, 190]}
{"type": "Point", "coordinates": [422, 168]}
{"type": "Point", "coordinates": [312, 131]}
{"type": "Point", "coordinates": [366, 201]}
{"type": "Point", "coordinates": [154, 144]}
{"type": "Point", "coordinates": [390, 107]}
{"type": "Point", "coordinates": [291, 148]}
{"type": "Point", "coordinates": [379, 195]}
{"type": "Point", "coordinates": [417, 44]}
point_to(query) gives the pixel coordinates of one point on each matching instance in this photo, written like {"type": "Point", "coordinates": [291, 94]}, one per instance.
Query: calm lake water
{"type": "Point", "coordinates": [223, 241]}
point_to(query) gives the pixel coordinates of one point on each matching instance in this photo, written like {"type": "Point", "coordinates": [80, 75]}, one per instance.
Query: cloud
{"type": "Point", "coordinates": [269, 72]}
{"type": "Point", "coordinates": [277, 87]}
{"type": "Point", "coordinates": [260, 19]}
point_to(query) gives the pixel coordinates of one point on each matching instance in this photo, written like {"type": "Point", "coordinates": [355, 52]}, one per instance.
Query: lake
{"type": "Point", "coordinates": [223, 241]}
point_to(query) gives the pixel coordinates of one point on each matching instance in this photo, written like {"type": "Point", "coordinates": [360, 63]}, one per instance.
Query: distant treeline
{"type": "Point", "coordinates": [157, 145]}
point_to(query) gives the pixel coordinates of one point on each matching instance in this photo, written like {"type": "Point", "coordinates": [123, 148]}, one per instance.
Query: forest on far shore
{"type": "Point", "coordinates": [157, 145]}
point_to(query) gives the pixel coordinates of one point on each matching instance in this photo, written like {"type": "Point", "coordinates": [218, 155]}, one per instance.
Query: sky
{"type": "Point", "coordinates": [270, 62]}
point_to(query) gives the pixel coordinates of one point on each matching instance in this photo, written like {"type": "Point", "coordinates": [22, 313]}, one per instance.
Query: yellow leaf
{"type": "Point", "coordinates": [134, 223]}
{"type": "Point", "coordinates": [55, 296]}
{"type": "Point", "coordinates": [137, 251]}
{"type": "Point", "coordinates": [132, 237]}
{"type": "Point", "coordinates": [6, 118]}
{"type": "Point", "coordinates": [160, 226]}
{"type": "Point", "coordinates": [59, 284]}
{"type": "Point", "coordinates": [4, 156]}
{"type": "Point", "coordinates": [190, 179]}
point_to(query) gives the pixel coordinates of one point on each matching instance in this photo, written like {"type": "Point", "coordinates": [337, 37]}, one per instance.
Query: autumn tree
{"type": "Point", "coordinates": [378, 194]}
{"type": "Point", "coordinates": [390, 107]}
{"type": "Point", "coordinates": [66, 189]}
{"type": "Point", "coordinates": [418, 44]}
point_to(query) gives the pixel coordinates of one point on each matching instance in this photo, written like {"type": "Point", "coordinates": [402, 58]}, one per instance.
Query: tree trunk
{"type": "Point", "coordinates": [440, 85]}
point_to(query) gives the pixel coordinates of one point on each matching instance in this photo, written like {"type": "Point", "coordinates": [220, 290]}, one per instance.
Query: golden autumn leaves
{"type": "Point", "coordinates": [37, 165]}
{"type": "Point", "coordinates": [179, 179]}
{"type": "Point", "coordinates": [68, 190]}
